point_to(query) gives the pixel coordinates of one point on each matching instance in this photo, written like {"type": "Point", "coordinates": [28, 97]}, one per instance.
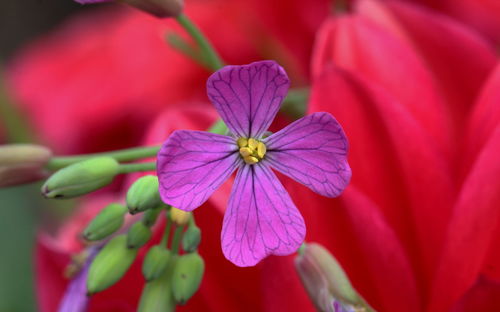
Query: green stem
{"type": "Point", "coordinates": [166, 234]}
{"type": "Point", "coordinates": [213, 61]}
{"type": "Point", "coordinates": [124, 155]}
{"type": "Point", "coordinates": [128, 168]}
{"type": "Point", "coordinates": [177, 239]}
{"type": "Point", "coordinates": [294, 105]}
{"type": "Point", "coordinates": [180, 44]}
{"type": "Point", "coordinates": [218, 127]}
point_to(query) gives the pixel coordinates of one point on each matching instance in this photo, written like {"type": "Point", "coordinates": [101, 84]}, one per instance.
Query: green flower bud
{"type": "Point", "coordinates": [157, 294]}
{"type": "Point", "coordinates": [158, 8]}
{"type": "Point", "coordinates": [188, 272]}
{"type": "Point", "coordinates": [108, 221]}
{"type": "Point", "coordinates": [324, 278]}
{"type": "Point", "coordinates": [191, 238]}
{"type": "Point", "coordinates": [81, 178]}
{"type": "Point", "coordinates": [155, 262]}
{"type": "Point", "coordinates": [143, 195]}
{"type": "Point", "coordinates": [22, 163]}
{"type": "Point", "coordinates": [110, 264]}
{"type": "Point", "coordinates": [149, 217]}
{"type": "Point", "coordinates": [138, 235]}
{"type": "Point", "coordinates": [337, 279]}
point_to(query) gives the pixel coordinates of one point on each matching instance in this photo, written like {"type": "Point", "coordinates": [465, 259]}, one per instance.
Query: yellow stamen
{"type": "Point", "coordinates": [179, 217]}
{"type": "Point", "coordinates": [261, 150]}
{"type": "Point", "coordinates": [245, 151]}
{"type": "Point", "coordinates": [251, 150]}
{"type": "Point", "coordinates": [252, 143]}
{"type": "Point", "coordinates": [250, 160]}
{"type": "Point", "coordinates": [242, 142]}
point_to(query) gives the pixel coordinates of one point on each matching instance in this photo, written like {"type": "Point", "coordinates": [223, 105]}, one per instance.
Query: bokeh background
{"type": "Point", "coordinates": [22, 210]}
{"type": "Point", "coordinates": [21, 22]}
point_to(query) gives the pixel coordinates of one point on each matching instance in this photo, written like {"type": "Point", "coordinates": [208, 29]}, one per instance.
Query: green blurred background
{"type": "Point", "coordinates": [20, 22]}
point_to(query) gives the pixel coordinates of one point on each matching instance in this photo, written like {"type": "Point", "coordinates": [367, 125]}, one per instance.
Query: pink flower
{"type": "Point", "coordinates": [261, 219]}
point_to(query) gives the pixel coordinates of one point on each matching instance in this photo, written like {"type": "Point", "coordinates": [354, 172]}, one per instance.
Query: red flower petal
{"type": "Point", "coordinates": [392, 158]}
{"type": "Point", "coordinates": [357, 44]}
{"type": "Point", "coordinates": [473, 224]}
{"type": "Point", "coordinates": [458, 58]}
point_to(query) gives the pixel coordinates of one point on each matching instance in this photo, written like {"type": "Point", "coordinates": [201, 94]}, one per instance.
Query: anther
{"type": "Point", "coordinates": [252, 143]}
{"type": "Point", "coordinates": [242, 142]}
{"type": "Point", "coordinates": [245, 151]}
{"type": "Point", "coordinates": [261, 150]}
{"type": "Point", "coordinates": [250, 160]}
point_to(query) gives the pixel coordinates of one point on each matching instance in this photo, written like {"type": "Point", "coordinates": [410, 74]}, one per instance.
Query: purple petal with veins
{"type": "Point", "coordinates": [261, 218]}
{"type": "Point", "coordinates": [248, 97]}
{"type": "Point", "coordinates": [191, 165]}
{"type": "Point", "coordinates": [312, 151]}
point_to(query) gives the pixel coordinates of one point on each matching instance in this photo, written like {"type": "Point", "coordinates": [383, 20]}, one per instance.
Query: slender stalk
{"type": "Point", "coordinates": [166, 234]}
{"type": "Point", "coordinates": [214, 62]}
{"type": "Point", "coordinates": [128, 168]}
{"type": "Point", "coordinates": [124, 155]}
{"type": "Point", "coordinates": [177, 239]}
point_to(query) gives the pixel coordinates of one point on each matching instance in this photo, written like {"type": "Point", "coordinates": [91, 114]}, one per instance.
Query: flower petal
{"type": "Point", "coordinates": [471, 229]}
{"type": "Point", "coordinates": [312, 151]}
{"type": "Point", "coordinates": [192, 165]}
{"type": "Point", "coordinates": [261, 218]}
{"type": "Point", "coordinates": [248, 97]}
{"type": "Point", "coordinates": [441, 43]}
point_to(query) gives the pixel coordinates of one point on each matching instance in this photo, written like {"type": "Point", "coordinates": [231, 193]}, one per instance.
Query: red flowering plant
{"type": "Point", "coordinates": [415, 99]}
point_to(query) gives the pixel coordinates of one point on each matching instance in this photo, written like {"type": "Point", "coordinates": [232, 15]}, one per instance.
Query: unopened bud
{"type": "Point", "coordinates": [157, 294]}
{"type": "Point", "coordinates": [22, 163]}
{"type": "Point", "coordinates": [188, 272]}
{"type": "Point", "coordinates": [143, 195]}
{"type": "Point", "coordinates": [110, 264]}
{"type": "Point", "coordinates": [158, 8]}
{"type": "Point", "coordinates": [179, 217]}
{"type": "Point", "coordinates": [191, 238]}
{"type": "Point", "coordinates": [149, 217]}
{"type": "Point", "coordinates": [81, 178]}
{"type": "Point", "coordinates": [155, 262]}
{"type": "Point", "coordinates": [138, 235]}
{"type": "Point", "coordinates": [324, 279]}
{"type": "Point", "coordinates": [108, 221]}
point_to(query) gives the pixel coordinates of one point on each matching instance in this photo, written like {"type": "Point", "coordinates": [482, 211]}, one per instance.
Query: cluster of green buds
{"type": "Point", "coordinates": [173, 277]}
{"type": "Point", "coordinates": [172, 268]}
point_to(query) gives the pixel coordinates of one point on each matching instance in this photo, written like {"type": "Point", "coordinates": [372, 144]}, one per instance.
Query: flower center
{"type": "Point", "coordinates": [251, 150]}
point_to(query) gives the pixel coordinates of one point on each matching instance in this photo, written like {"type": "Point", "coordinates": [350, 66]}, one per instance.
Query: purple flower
{"type": "Point", "coordinates": [261, 218]}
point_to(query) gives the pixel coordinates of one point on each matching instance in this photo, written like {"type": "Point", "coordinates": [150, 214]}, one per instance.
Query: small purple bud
{"type": "Point", "coordinates": [22, 163]}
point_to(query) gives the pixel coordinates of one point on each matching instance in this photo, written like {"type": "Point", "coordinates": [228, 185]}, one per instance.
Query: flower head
{"type": "Point", "coordinates": [261, 218]}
